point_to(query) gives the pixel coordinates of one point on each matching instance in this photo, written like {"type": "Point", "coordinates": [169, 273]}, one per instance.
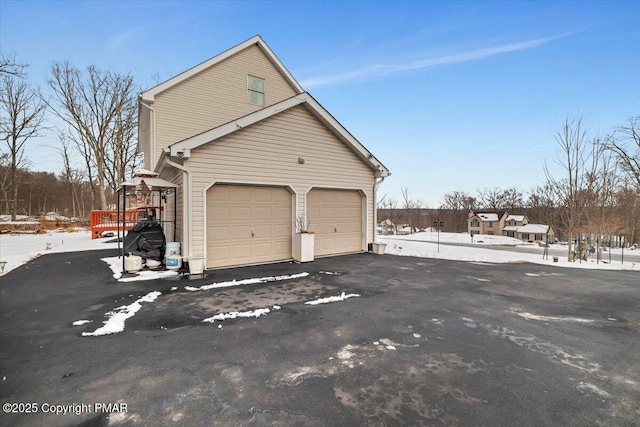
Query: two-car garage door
{"type": "Point", "coordinates": [254, 224]}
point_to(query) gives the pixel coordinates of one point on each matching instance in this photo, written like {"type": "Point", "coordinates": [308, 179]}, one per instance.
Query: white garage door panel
{"type": "Point", "coordinates": [335, 216]}
{"type": "Point", "coordinates": [240, 194]}
{"type": "Point", "coordinates": [241, 252]}
{"type": "Point", "coordinates": [260, 212]}
{"type": "Point", "coordinates": [247, 224]}
{"type": "Point", "coordinates": [281, 213]}
{"type": "Point", "coordinates": [240, 213]}
{"type": "Point", "coordinates": [218, 252]}
{"type": "Point", "coordinates": [219, 233]}
{"type": "Point", "coordinates": [262, 249]}
{"type": "Point", "coordinates": [240, 232]}
{"type": "Point", "coordinates": [219, 212]}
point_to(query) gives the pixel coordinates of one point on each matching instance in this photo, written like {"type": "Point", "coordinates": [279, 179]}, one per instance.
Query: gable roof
{"type": "Point", "coordinates": [518, 218]}
{"type": "Point", "coordinates": [149, 94]}
{"type": "Point", "coordinates": [182, 149]}
{"type": "Point", "coordinates": [534, 228]}
{"type": "Point", "coordinates": [488, 216]}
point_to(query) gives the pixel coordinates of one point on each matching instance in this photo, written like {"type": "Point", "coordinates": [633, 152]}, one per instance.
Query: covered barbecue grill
{"type": "Point", "coordinates": [146, 238]}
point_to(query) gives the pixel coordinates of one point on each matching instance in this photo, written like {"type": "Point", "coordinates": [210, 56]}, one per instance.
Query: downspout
{"type": "Point", "coordinates": [375, 209]}
{"type": "Point", "coordinates": [186, 209]}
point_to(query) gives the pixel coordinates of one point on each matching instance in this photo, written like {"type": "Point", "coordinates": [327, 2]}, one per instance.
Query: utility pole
{"type": "Point", "coordinates": [438, 224]}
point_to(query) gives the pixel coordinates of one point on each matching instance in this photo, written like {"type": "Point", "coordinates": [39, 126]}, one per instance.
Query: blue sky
{"type": "Point", "coordinates": [448, 95]}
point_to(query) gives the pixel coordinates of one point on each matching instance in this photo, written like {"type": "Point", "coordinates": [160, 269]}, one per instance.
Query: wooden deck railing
{"type": "Point", "coordinates": [101, 221]}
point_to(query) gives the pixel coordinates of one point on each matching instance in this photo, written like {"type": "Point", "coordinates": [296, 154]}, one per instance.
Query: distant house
{"type": "Point", "coordinates": [504, 224]}
{"type": "Point", "coordinates": [512, 223]}
{"type": "Point", "coordinates": [386, 227]}
{"type": "Point", "coordinates": [486, 223]}
{"type": "Point", "coordinates": [535, 233]}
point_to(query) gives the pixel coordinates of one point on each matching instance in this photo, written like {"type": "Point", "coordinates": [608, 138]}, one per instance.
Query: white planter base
{"type": "Point", "coordinates": [303, 247]}
{"type": "Point", "coordinates": [196, 265]}
{"type": "Point", "coordinates": [379, 248]}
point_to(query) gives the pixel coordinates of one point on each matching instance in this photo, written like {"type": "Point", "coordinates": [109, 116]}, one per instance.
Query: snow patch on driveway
{"type": "Point", "coordinates": [235, 314]}
{"type": "Point", "coordinates": [252, 281]}
{"type": "Point", "coordinates": [531, 316]}
{"type": "Point", "coordinates": [328, 300]}
{"type": "Point", "coordinates": [117, 317]}
{"type": "Point", "coordinates": [590, 388]}
{"type": "Point", "coordinates": [552, 351]}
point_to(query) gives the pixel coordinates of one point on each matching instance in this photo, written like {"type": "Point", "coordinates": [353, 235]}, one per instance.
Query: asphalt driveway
{"type": "Point", "coordinates": [426, 342]}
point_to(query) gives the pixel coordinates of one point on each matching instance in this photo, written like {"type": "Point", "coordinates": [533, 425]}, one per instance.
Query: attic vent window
{"type": "Point", "coordinates": [255, 90]}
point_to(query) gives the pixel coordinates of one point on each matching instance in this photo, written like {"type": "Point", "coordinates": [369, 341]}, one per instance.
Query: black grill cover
{"type": "Point", "coordinates": [146, 239]}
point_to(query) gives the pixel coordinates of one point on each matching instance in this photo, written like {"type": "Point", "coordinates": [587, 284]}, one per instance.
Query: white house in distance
{"type": "Point", "coordinates": [485, 223]}
{"type": "Point", "coordinates": [254, 155]}
{"type": "Point", "coordinates": [504, 224]}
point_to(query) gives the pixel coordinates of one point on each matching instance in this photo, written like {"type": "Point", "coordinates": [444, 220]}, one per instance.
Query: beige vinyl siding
{"type": "Point", "coordinates": [267, 153]}
{"type": "Point", "coordinates": [216, 96]}
{"type": "Point", "coordinates": [175, 176]}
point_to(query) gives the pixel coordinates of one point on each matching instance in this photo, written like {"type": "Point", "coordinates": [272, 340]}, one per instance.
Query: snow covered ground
{"type": "Point", "coordinates": [17, 249]}
{"type": "Point", "coordinates": [424, 245]}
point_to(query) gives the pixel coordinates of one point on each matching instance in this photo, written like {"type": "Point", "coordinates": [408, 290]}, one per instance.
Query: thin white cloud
{"type": "Point", "coordinates": [380, 70]}
{"type": "Point", "coordinates": [122, 39]}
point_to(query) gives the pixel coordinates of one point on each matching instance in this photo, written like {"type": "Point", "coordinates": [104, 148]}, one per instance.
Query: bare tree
{"type": "Point", "coordinates": [571, 189]}
{"type": "Point", "coordinates": [490, 198]}
{"type": "Point", "coordinates": [382, 201]}
{"type": "Point", "coordinates": [123, 157]}
{"type": "Point", "coordinates": [459, 201]}
{"type": "Point", "coordinates": [389, 210]}
{"type": "Point", "coordinates": [455, 207]}
{"type": "Point", "coordinates": [5, 171]}
{"type": "Point", "coordinates": [625, 143]}
{"type": "Point", "coordinates": [542, 204]}
{"type": "Point", "coordinates": [10, 67]}
{"type": "Point", "coordinates": [412, 208]}
{"type": "Point", "coordinates": [602, 181]}
{"type": "Point", "coordinates": [71, 177]}
{"type": "Point", "coordinates": [93, 106]}
{"type": "Point", "coordinates": [22, 115]}
{"type": "Point", "coordinates": [512, 198]}
{"type": "Point", "coordinates": [497, 198]}
{"type": "Point", "coordinates": [628, 208]}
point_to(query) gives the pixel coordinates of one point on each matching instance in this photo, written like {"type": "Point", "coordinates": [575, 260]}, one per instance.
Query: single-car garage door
{"type": "Point", "coordinates": [247, 225]}
{"type": "Point", "coordinates": [335, 216]}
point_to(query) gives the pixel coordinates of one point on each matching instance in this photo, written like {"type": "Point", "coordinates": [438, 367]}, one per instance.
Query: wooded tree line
{"type": "Point", "coordinates": [43, 192]}
{"type": "Point", "coordinates": [94, 115]}
{"type": "Point", "coordinates": [594, 189]}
